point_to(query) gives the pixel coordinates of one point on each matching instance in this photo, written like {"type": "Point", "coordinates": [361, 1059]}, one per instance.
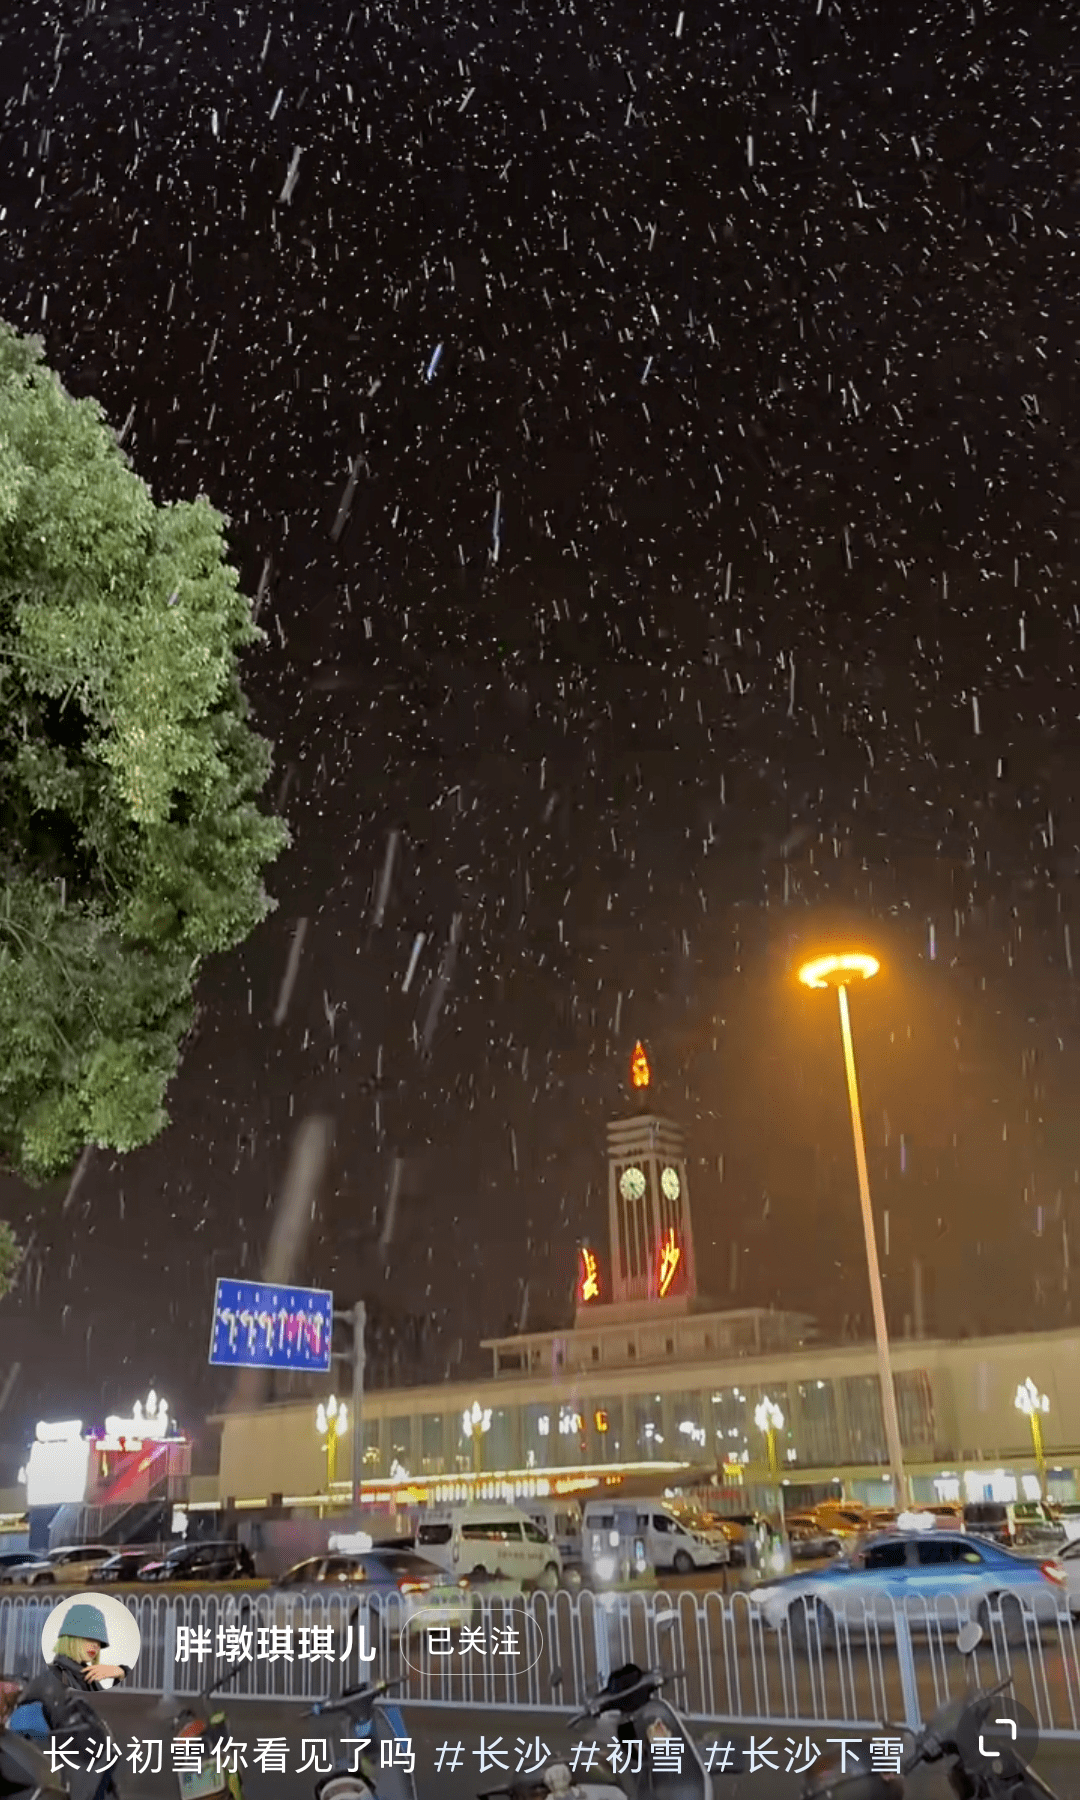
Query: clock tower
{"type": "Point", "coordinates": [651, 1243]}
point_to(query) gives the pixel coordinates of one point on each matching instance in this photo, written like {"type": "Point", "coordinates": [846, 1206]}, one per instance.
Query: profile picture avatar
{"type": "Point", "coordinates": [91, 1641]}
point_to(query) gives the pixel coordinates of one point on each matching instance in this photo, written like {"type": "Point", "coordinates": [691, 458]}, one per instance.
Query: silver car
{"type": "Point", "coordinates": [72, 1566]}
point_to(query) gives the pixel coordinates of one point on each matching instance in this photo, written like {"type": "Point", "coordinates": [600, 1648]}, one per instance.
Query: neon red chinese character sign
{"type": "Point", "coordinates": [670, 1258]}
{"type": "Point", "coordinates": [589, 1286]}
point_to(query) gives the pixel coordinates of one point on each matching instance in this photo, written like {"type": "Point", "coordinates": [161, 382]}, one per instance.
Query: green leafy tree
{"type": "Point", "coordinates": [11, 1256]}
{"type": "Point", "coordinates": [131, 842]}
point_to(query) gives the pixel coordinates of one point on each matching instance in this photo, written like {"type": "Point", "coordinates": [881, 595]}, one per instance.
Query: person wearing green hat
{"type": "Point", "coordinates": [43, 1710]}
{"type": "Point", "coordinates": [77, 1656]}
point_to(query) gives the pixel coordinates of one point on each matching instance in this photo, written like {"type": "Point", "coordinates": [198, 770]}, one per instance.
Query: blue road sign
{"type": "Point", "coordinates": [257, 1327]}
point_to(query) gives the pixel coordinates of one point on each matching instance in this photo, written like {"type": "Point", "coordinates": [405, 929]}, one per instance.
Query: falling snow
{"type": "Point", "coordinates": [647, 442]}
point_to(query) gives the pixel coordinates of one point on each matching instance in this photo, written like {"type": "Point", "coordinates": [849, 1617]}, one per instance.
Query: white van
{"type": "Point", "coordinates": [488, 1540]}
{"type": "Point", "coordinates": [668, 1544]}
{"type": "Point", "coordinates": [561, 1521]}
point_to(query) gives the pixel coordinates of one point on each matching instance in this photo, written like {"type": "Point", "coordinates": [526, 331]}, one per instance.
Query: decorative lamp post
{"type": "Point", "coordinates": [769, 1419]}
{"type": "Point", "coordinates": [838, 972]}
{"type": "Point", "coordinates": [476, 1423]}
{"type": "Point", "coordinates": [155, 1414]}
{"type": "Point", "coordinates": [1030, 1401]}
{"type": "Point", "coordinates": [331, 1422]}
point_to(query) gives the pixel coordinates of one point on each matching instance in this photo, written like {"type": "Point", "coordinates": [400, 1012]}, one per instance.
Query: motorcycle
{"type": "Point", "coordinates": [367, 1716]}
{"type": "Point", "coordinates": [1002, 1776]}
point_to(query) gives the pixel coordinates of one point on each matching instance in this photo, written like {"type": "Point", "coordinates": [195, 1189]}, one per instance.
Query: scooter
{"type": "Point", "coordinates": [1004, 1777]}
{"type": "Point", "coordinates": [630, 1710]}
{"type": "Point", "coordinates": [24, 1768]}
{"type": "Point", "coordinates": [366, 1716]}
{"type": "Point", "coordinates": [556, 1783]}
{"type": "Point", "coordinates": [201, 1719]}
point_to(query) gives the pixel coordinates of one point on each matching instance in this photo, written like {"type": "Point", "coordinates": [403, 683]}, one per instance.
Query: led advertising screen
{"type": "Point", "coordinates": [58, 1465]}
{"type": "Point", "coordinates": [259, 1327]}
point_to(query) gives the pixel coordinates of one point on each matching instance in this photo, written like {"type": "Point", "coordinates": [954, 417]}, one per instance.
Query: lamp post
{"type": "Point", "coordinates": [331, 1422]}
{"type": "Point", "coordinates": [769, 1419]}
{"type": "Point", "coordinates": [838, 972]}
{"type": "Point", "coordinates": [476, 1423]}
{"type": "Point", "coordinates": [1030, 1401]}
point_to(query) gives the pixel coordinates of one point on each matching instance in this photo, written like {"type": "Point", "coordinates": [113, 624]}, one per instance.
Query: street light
{"type": "Point", "coordinates": [331, 1422]}
{"type": "Point", "coordinates": [476, 1422]}
{"type": "Point", "coordinates": [769, 1419]}
{"type": "Point", "coordinates": [837, 972]}
{"type": "Point", "coordinates": [1030, 1401]}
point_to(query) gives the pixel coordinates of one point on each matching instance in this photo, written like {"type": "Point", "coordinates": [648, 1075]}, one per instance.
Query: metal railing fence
{"type": "Point", "coordinates": [547, 1652]}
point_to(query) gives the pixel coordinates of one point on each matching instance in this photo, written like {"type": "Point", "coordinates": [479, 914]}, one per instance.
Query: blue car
{"type": "Point", "coordinates": [943, 1575]}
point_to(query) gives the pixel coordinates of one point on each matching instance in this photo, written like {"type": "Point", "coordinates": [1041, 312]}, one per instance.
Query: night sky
{"type": "Point", "coordinates": [705, 593]}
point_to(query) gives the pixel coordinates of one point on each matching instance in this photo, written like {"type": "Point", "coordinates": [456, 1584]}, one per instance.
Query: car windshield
{"type": "Point", "coordinates": [403, 1563]}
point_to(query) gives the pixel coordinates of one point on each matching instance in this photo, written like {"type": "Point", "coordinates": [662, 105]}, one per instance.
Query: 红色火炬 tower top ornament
{"type": "Point", "coordinates": [651, 1244]}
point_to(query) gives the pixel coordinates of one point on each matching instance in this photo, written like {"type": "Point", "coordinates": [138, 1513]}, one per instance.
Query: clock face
{"type": "Point", "coordinates": [632, 1184]}
{"type": "Point", "coordinates": [669, 1181]}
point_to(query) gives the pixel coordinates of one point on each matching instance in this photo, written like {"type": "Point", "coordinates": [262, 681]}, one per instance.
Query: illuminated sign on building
{"type": "Point", "coordinates": [589, 1285]}
{"type": "Point", "coordinates": [670, 1258]}
{"type": "Point", "coordinates": [58, 1464]}
{"type": "Point", "coordinates": [146, 1425]}
{"type": "Point", "coordinates": [60, 1431]}
{"type": "Point", "coordinates": [640, 1074]}
{"type": "Point", "coordinates": [259, 1327]}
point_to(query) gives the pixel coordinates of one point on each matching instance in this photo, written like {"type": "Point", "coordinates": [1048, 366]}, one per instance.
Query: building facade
{"type": "Point", "coordinates": [569, 1417]}
{"type": "Point", "coordinates": [652, 1379]}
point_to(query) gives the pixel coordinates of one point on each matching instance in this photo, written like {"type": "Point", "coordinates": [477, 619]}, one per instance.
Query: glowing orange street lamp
{"type": "Point", "coordinates": [837, 972]}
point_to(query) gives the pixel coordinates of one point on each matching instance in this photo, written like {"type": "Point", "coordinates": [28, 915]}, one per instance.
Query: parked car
{"type": "Point", "coordinates": [1070, 1562]}
{"type": "Point", "coordinates": [847, 1518]}
{"type": "Point", "coordinates": [10, 1560]}
{"type": "Point", "coordinates": [560, 1520]}
{"type": "Point", "coordinates": [668, 1544]}
{"type": "Point", "coordinates": [201, 1562]}
{"type": "Point", "coordinates": [708, 1528]}
{"type": "Point", "coordinates": [1022, 1524]}
{"type": "Point", "coordinates": [923, 1573]}
{"type": "Point", "coordinates": [489, 1539]}
{"type": "Point", "coordinates": [124, 1566]}
{"type": "Point", "coordinates": [948, 1515]}
{"type": "Point", "coordinates": [1066, 1513]}
{"type": "Point", "coordinates": [72, 1566]}
{"type": "Point", "coordinates": [811, 1543]}
{"type": "Point", "coordinates": [818, 1539]}
{"type": "Point", "coordinates": [421, 1588]}
{"type": "Point", "coordinates": [736, 1527]}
